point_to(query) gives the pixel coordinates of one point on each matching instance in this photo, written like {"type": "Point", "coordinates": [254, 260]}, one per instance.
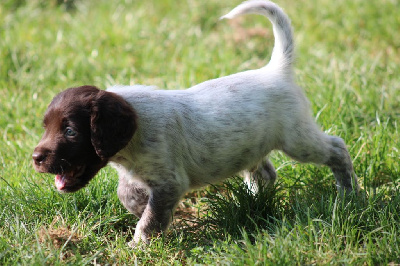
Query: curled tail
{"type": "Point", "coordinates": [283, 53]}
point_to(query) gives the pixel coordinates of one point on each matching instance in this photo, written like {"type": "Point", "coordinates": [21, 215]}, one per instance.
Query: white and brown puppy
{"type": "Point", "coordinates": [165, 142]}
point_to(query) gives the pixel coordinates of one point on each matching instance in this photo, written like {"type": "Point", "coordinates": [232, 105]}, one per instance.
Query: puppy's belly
{"type": "Point", "coordinates": [213, 169]}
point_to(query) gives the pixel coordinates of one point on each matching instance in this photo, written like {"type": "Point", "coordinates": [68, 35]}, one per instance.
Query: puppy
{"type": "Point", "coordinates": [164, 143]}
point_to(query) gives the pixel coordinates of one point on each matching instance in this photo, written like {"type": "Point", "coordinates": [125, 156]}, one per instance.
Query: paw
{"type": "Point", "coordinates": [264, 173]}
{"type": "Point", "coordinates": [139, 239]}
{"type": "Point", "coordinates": [346, 182]}
{"type": "Point", "coordinates": [138, 245]}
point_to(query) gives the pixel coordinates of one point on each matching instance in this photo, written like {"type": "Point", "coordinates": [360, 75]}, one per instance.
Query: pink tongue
{"type": "Point", "coordinates": [60, 182]}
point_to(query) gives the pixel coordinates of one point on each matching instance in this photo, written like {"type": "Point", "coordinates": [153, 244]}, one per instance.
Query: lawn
{"type": "Point", "coordinates": [348, 57]}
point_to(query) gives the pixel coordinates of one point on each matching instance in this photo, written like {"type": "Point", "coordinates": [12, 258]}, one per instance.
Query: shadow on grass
{"type": "Point", "coordinates": [226, 211]}
{"type": "Point", "coordinates": [235, 209]}
{"type": "Point", "coordinates": [232, 212]}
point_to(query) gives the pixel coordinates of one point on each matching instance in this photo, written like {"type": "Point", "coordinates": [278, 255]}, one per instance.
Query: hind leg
{"type": "Point", "coordinates": [308, 144]}
{"type": "Point", "coordinates": [264, 172]}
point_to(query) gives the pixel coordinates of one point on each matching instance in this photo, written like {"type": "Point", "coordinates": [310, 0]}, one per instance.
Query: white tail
{"type": "Point", "coordinates": [283, 54]}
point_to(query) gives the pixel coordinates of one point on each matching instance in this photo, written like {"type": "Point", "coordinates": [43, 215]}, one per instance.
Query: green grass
{"type": "Point", "coordinates": [348, 57]}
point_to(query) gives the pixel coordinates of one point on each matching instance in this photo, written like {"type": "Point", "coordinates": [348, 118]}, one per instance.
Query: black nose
{"type": "Point", "coordinates": [38, 157]}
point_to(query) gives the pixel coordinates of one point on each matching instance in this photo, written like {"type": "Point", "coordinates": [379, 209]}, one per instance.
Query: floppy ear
{"type": "Point", "coordinates": [112, 123]}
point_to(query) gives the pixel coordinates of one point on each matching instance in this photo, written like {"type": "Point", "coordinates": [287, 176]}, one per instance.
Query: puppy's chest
{"type": "Point", "coordinates": [136, 170]}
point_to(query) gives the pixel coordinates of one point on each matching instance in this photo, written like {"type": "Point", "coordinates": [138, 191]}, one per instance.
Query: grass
{"type": "Point", "coordinates": [347, 62]}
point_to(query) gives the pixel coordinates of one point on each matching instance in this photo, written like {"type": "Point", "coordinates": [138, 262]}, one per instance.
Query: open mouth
{"type": "Point", "coordinates": [70, 179]}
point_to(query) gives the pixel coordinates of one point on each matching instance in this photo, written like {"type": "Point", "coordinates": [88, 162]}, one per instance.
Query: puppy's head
{"type": "Point", "coordinates": [84, 127]}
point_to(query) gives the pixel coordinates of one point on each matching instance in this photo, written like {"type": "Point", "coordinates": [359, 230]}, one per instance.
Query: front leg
{"type": "Point", "coordinates": [158, 213]}
{"type": "Point", "coordinates": [134, 195]}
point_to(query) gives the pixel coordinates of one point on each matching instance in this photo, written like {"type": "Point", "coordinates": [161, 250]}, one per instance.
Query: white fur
{"type": "Point", "coordinates": [190, 138]}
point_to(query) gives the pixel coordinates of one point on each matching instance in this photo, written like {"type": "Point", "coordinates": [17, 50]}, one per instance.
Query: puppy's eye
{"type": "Point", "coordinates": [69, 132]}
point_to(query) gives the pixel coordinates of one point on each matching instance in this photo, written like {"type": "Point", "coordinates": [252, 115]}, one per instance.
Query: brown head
{"type": "Point", "coordinates": [84, 127]}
